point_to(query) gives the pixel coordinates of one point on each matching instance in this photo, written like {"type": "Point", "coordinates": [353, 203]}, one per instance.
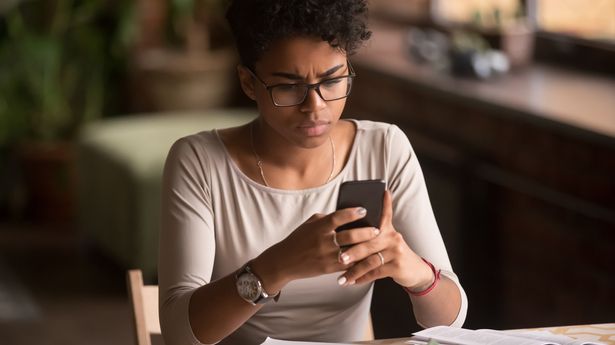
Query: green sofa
{"type": "Point", "coordinates": [119, 167]}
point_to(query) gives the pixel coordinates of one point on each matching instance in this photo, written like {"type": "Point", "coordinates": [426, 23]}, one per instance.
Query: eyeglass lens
{"type": "Point", "coordinates": [329, 90]}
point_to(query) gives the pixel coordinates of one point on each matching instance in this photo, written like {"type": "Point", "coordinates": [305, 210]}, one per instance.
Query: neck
{"type": "Point", "coordinates": [297, 171]}
{"type": "Point", "coordinates": [275, 150]}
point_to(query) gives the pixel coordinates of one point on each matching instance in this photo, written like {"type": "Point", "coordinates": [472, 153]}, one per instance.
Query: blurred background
{"type": "Point", "coordinates": [509, 104]}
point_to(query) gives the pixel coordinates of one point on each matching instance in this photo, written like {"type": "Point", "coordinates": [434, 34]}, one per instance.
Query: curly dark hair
{"type": "Point", "coordinates": [256, 24]}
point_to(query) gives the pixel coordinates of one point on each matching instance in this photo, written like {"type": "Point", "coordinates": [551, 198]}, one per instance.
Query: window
{"type": "Point", "coordinates": [594, 20]}
{"type": "Point", "coordinates": [572, 33]}
{"type": "Point", "coordinates": [483, 13]}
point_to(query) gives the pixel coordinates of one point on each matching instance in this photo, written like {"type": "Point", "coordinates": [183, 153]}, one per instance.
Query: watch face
{"type": "Point", "coordinates": [248, 286]}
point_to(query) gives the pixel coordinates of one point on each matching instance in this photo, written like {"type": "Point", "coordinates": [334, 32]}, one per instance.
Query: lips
{"type": "Point", "coordinates": [314, 129]}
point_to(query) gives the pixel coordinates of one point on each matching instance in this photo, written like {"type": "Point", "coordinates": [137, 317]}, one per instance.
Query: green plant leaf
{"type": "Point", "coordinates": [55, 74]}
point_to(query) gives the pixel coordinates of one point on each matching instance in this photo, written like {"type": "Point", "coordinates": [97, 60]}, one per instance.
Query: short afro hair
{"type": "Point", "coordinates": [256, 24]}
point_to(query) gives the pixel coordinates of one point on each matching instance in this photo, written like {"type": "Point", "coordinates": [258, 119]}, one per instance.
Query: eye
{"type": "Point", "coordinates": [331, 82]}
{"type": "Point", "coordinates": [287, 87]}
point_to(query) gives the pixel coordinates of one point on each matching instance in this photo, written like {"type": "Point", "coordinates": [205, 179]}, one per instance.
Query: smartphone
{"type": "Point", "coordinates": [367, 194]}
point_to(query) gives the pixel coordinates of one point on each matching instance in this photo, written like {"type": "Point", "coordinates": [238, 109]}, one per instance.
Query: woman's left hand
{"type": "Point", "coordinates": [386, 255]}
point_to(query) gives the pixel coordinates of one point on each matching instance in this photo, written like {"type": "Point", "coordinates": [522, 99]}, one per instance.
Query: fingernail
{"type": "Point", "coordinates": [361, 211]}
{"type": "Point", "coordinates": [345, 258]}
{"type": "Point", "coordinates": [341, 280]}
{"type": "Point", "coordinates": [376, 231]}
{"type": "Point", "coordinates": [351, 282]}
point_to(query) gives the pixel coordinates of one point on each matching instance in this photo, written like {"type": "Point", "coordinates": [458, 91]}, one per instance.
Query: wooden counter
{"type": "Point", "coordinates": [569, 101]}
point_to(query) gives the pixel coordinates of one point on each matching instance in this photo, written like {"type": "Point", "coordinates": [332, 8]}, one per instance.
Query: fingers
{"type": "Point", "coordinates": [354, 236]}
{"type": "Point", "coordinates": [368, 264]}
{"type": "Point", "coordinates": [347, 215]}
{"type": "Point", "coordinates": [315, 217]}
{"type": "Point", "coordinates": [387, 210]}
{"type": "Point", "coordinates": [371, 268]}
{"type": "Point", "coordinates": [379, 242]}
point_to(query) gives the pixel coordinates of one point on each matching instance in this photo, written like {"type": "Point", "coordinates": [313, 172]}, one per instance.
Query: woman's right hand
{"type": "Point", "coordinates": [310, 250]}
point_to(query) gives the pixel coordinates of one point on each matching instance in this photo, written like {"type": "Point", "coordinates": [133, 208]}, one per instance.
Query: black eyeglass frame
{"type": "Point", "coordinates": [315, 86]}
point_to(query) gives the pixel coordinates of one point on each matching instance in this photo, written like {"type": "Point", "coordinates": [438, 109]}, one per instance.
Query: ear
{"type": "Point", "coordinates": [247, 82]}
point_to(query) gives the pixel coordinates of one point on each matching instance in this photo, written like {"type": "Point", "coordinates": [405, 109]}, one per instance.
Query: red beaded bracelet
{"type": "Point", "coordinates": [432, 286]}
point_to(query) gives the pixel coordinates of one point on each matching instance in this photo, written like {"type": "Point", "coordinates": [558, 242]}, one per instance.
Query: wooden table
{"type": "Point", "coordinates": [604, 333]}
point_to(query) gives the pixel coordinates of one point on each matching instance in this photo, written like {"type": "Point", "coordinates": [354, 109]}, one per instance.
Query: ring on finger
{"type": "Point", "coordinates": [335, 239]}
{"type": "Point", "coordinates": [381, 258]}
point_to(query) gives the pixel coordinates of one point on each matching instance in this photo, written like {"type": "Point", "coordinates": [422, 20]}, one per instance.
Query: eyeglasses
{"type": "Point", "coordinates": [288, 95]}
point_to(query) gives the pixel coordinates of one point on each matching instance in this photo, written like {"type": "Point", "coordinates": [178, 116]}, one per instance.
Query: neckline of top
{"type": "Point", "coordinates": [262, 187]}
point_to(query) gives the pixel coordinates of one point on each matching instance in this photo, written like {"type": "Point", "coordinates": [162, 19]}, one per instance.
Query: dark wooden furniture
{"type": "Point", "coordinates": [521, 173]}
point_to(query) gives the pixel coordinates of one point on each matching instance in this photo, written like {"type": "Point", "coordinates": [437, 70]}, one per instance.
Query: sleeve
{"type": "Point", "coordinates": [187, 246]}
{"type": "Point", "coordinates": [412, 212]}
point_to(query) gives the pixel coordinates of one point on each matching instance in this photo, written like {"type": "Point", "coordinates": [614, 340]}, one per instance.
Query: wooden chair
{"type": "Point", "coordinates": [144, 303]}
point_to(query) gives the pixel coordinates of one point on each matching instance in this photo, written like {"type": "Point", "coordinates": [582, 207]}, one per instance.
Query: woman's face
{"type": "Point", "coordinates": [298, 60]}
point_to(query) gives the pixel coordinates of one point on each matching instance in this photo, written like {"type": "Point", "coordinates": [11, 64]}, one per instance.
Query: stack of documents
{"type": "Point", "coordinates": [444, 335]}
{"type": "Point", "coordinates": [462, 336]}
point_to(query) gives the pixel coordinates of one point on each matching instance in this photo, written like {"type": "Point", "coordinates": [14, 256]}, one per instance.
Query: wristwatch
{"type": "Point", "coordinates": [250, 287]}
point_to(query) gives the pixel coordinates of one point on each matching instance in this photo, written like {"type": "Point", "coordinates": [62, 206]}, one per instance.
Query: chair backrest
{"type": "Point", "coordinates": [144, 303]}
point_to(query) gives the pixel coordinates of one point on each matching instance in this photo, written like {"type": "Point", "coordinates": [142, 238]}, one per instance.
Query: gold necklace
{"type": "Point", "coordinates": [259, 162]}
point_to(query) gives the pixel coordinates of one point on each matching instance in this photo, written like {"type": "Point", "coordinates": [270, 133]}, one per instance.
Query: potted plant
{"type": "Point", "coordinates": [503, 25]}
{"type": "Point", "coordinates": [509, 32]}
{"type": "Point", "coordinates": [55, 68]}
{"type": "Point", "coordinates": [192, 65]}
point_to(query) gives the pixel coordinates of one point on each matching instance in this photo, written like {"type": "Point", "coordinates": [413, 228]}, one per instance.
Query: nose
{"type": "Point", "coordinates": [313, 101]}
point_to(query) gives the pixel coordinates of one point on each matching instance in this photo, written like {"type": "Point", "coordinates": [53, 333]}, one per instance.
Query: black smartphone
{"type": "Point", "coordinates": [367, 194]}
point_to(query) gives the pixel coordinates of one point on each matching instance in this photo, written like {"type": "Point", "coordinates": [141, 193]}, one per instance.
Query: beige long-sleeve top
{"type": "Point", "coordinates": [215, 219]}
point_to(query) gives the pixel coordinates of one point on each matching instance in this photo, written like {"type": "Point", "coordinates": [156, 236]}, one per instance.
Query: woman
{"type": "Point", "coordinates": [248, 247]}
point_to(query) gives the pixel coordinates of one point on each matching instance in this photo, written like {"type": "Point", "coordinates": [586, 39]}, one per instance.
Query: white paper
{"type": "Point", "coordinates": [463, 336]}
{"type": "Point", "coordinates": [469, 337]}
{"type": "Point", "coordinates": [271, 341]}
{"type": "Point", "coordinates": [548, 336]}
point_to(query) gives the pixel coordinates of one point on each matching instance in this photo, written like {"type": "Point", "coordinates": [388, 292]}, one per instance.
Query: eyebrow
{"type": "Point", "coordinates": [292, 76]}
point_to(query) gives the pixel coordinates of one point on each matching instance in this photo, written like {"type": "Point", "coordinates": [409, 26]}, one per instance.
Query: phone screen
{"type": "Point", "coordinates": [365, 193]}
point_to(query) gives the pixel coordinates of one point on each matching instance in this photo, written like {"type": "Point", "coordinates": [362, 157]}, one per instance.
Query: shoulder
{"type": "Point", "coordinates": [376, 131]}
{"type": "Point", "coordinates": [385, 142]}
{"type": "Point", "coordinates": [197, 143]}
{"type": "Point", "coordinates": [377, 128]}
{"type": "Point", "coordinates": [195, 150]}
